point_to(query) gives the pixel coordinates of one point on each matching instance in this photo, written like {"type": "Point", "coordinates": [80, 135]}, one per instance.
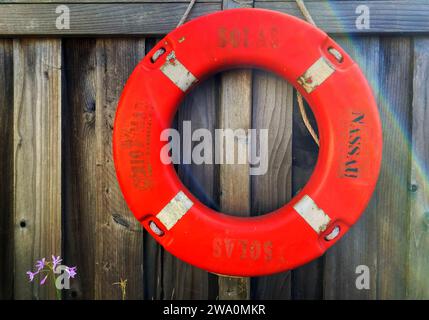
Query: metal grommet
{"type": "Point", "coordinates": [157, 54]}
{"type": "Point", "coordinates": [155, 229]}
{"type": "Point", "coordinates": [334, 233]}
{"type": "Point", "coordinates": [336, 54]}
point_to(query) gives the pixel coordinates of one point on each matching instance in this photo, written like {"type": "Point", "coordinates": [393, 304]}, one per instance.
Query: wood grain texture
{"type": "Point", "coordinates": [357, 246]}
{"type": "Point", "coordinates": [418, 263]}
{"type": "Point", "coordinates": [37, 159]}
{"type": "Point", "coordinates": [96, 19]}
{"type": "Point", "coordinates": [148, 18]}
{"type": "Point", "coordinates": [119, 236]}
{"type": "Point", "coordinates": [235, 112]}
{"type": "Point", "coordinates": [307, 280]}
{"type": "Point", "coordinates": [181, 280]}
{"type": "Point", "coordinates": [391, 198]}
{"type": "Point", "coordinates": [152, 266]}
{"type": "Point", "coordinates": [6, 169]}
{"type": "Point", "coordinates": [101, 1]}
{"type": "Point", "coordinates": [79, 163]}
{"type": "Point", "coordinates": [388, 16]}
{"type": "Point", "coordinates": [272, 111]}
{"type": "Point", "coordinates": [103, 238]}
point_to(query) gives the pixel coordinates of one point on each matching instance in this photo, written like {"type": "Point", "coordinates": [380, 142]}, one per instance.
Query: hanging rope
{"type": "Point", "coordinates": [305, 12]}
{"type": "Point", "coordinates": [305, 118]}
{"type": "Point", "coordinates": [186, 14]}
{"type": "Point", "coordinates": [309, 18]}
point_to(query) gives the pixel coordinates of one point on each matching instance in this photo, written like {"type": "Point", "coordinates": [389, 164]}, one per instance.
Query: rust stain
{"type": "Point", "coordinates": [316, 75]}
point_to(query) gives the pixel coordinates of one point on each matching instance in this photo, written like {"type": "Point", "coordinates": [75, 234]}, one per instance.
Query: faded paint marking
{"type": "Point", "coordinates": [312, 214]}
{"type": "Point", "coordinates": [177, 72]}
{"type": "Point", "coordinates": [354, 145]}
{"type": "Point", "coordinates": [316, 75]}
{"type": "Point", "coordinates": [242, 248]}
{"type": "Point", "coordinates": [174, 210]}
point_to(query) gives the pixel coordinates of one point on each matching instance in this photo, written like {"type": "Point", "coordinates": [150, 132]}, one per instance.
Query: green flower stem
{"type": "Point", "coordinates": [51, 270]}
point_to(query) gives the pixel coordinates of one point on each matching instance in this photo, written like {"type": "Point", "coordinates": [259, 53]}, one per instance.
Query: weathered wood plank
{"type": "Point", "coordinates": [272, 110]}
{"type": "Point", "coordinates": [37, 159]}
{"type": "Point", "coordinates": [96, 19]}
{"type": "Point", "coordinates": [103, 1]}
{"type": "Point", "coordinates": [152, 266]}
{"type": "Point", "coordinates": [305, 1]}
{"type": "Point", "coordinates": [79, 163]}
{"type": "Point", "coordinates": [181, 280]}
{"type": "Point", "coordinates": [357, 246]}
{"type": "Point", "coordinates": [151, 1]}
{"type": "Point", "coordinates": [418, 263]}
{"type": "Point", "coordinates": [6, 169]}
{"type": "Point", "coordinates": [393, 191]}
{"type": "Point", "coordinates": [235, 113]}
{"type": "Point", "coordinates": [119, 236]}
{"type": "Point", "coordinates": [386, 16]}
{"type": "Point", "coordinates": [307, 280]}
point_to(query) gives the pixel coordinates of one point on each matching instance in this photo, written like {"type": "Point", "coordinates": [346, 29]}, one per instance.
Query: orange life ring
{"type": "Point", "coordinates": [350, 142]}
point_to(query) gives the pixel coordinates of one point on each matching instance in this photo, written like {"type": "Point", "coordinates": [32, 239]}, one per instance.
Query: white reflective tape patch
{"type": "Point", "coordinates": [316, 75]}
{"type": "Point", "coordinates": [174, 210]}
{"type": "Point", "coordinates": [312, 214]}
{"type": "Point", "coordinates": [177, 72]}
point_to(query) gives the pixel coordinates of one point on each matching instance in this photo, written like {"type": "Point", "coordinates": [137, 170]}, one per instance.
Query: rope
{"type": "Point", "coordinates": [186, 14]}
{"type": "Point", "coordinates": [309, 18]}
{"type": "Point", "coordinates": [305, 118]}
{"type": "Point", "coordinates": [305, 12]}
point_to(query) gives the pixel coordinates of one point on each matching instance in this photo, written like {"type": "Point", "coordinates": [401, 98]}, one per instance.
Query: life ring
{"type": "Point", "coordinates": [350, 142]}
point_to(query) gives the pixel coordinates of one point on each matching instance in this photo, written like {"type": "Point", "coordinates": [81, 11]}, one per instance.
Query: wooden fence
{"type": "Point", "coordinates": [58, 190]}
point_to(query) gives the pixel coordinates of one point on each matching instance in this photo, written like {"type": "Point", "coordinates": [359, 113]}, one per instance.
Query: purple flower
{"type": "Point", "coordinates": [40, 264]}
{"type": "Point", "coordinates": [71, 271]}
{"type": "Point", "coordinates": [55, 262]}
{"type": "Point", "coordinates": [31, 275]}
{"type": "Point", "coordinates": [43, 280]}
